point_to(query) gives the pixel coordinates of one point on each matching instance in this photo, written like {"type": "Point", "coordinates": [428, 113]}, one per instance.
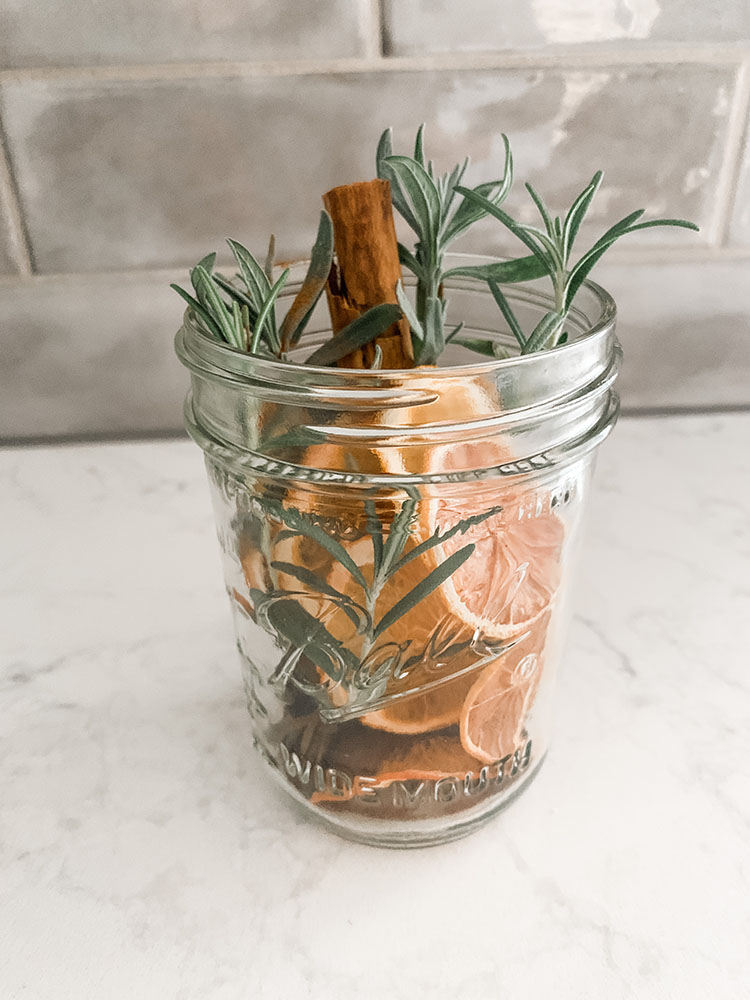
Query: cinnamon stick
{"type": "Point", "coordinates": [366, 268]}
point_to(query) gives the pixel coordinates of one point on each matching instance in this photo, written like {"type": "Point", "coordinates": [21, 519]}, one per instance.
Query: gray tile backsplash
{"type": "Point", "coordinates": [428, 26]}
{"type": "Point", "coordinates": [90, 355]}
{"type": "Point", "coordinates": [685, 331]}
{"type": "Point", "coordinates": [100, 32]}
{"type": "Point", "coordinates": [139, 135]}
{"type": "Point", "coordinates": [94, 355]}
{"type": "Point", "coordinates": [134, 175]}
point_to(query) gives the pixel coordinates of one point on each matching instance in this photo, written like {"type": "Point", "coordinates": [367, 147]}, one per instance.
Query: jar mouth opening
{"type": "Point", "coordinates": [255, 414]}
{"type": "Point", "coordinates": [588, 329]}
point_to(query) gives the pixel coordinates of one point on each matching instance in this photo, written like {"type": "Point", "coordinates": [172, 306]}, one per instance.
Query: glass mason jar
{"type": "Point", "coordinates": [398, 548]}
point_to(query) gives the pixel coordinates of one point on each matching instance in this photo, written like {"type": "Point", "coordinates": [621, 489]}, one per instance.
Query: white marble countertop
{"type": "Point", "coordinates": [146, 855]}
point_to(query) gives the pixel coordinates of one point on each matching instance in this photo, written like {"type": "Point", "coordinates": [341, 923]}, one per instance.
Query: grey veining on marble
{"type": "Point", "coordinates": [140, 174]}
{"type": "Point", "coordinates": [145, 854]}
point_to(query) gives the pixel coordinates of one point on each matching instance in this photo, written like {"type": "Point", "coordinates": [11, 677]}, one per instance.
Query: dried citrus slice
{"type": "Point", "coordinates": [503, 588]}
{"type": "Point", "coordinates": [425, 711]}
{"type": "Point", "coordinates": [506, 585]}
{"type": "Point", "coordinates": [513, 574]}
{"type": "Point", "coordinates": [497, 705]}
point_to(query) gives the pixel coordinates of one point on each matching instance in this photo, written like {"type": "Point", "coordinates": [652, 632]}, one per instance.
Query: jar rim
{"type": "Point", "coordinates": [215, 351]}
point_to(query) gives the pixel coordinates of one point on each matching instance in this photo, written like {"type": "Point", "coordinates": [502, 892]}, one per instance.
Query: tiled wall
{"type": "Point", "coordinates": [136, 136]}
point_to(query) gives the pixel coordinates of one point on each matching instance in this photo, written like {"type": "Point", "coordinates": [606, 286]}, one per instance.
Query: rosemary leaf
{"type": "Point", "coordinates": [424, 588]}
{"type": "Point", "coordinates": [270, 256]}
{"type": "Point", "coordinates": [543, 332]}
{"type": "Point", "coordinates": [307, 633]}
{"type": "Point", "coordinates": [363, 330]}
{"type": "Point", "coordinates": [454, 332]}
{"type": "Point", "coordinates": [680, 223]}
{"type": "Point", "coordinates": [307, 297]}
{"type": "Point", "coordinates": [400, 203]}
{"type": "Point", "coordinates": [398, 537]}
{"type": "Point", "coordinates": [211, 301]}
{"type": "Point", "coordinates": [303, 526]}
{"type": "Point", "coordinates": [448, 195]}
{"type": "Point", "coordinates": [581, 271]}
{"type": "Point", "coordinates": [408, 311]}
{"type": "Point", "coordinates": [485, 347]}
{"type": "Point", "coordinates": [265, 316]}
{"type": "Point", "coordinates": [377, 360]}
{"type": "Point", "coordinates": [317, 584]}
{"type": "Point", "coordinates": [438, 537]}
{"type": "Point", "coordinates": [239, 330]}
{"type": "Point", "coordinates": [419, 146]}
{"type": "Point", "coordinates": [407, 258]}
{"type": "Point", "coordinates": [542, 208]}
{"type": "Point", "coordinates": [258, 285]}
{"type": "Point", "coordinates": [577, 212]}
{"type": "Point", "coordinates": [205, 316]}
{"type": "Point", "coordinates": [422, 193]}
{"type": "Point", "coordinates": [235, 293]}
{"type": "Point", "coordinates": [504, 272]}
{"type": "Point", "coordinates": [516, 228]}
{"type": "Point", "coordinates": [468, 213]}
{"type": "Point", "coordinates": [375, 530]}
{"type": "Point", "coordinates": [208, 262]}
{"type": "Point", "coordinates": [507, 311]}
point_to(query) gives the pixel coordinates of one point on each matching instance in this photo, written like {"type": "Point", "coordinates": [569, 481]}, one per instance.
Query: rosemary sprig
{"type": "Point", "coordinates": [242, 312]}
{"type": "Point", "coordinates": [427, 203]}
{"type": "Point", "coordinates": [244, 315]}
{"type": "Point", "coordinates": [552, 248]}
{"type": "Point", "coordinates": [388, 559]}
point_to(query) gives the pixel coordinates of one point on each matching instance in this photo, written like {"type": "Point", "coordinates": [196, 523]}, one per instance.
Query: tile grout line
{"type": "Point", "coordinates": [10, 209]}
{"type": "Point", "coordinates": [729, 175]}
{"type": "Point", "coordinates": [663, 255]}
{"type": "Point", "coordinates": [563, 57]}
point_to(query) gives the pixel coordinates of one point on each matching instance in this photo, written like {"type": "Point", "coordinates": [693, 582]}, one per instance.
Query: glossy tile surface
{"type": "Point", "coordinates": [132, 175]}
{"type": "Point", "coordinates": [96, 32]}
{"type": "Point", "coordinates": [481, 25]}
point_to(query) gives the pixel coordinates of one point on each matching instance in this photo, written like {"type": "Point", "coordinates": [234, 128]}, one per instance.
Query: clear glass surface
{"type": "Point", "coordinates": [398, 550]}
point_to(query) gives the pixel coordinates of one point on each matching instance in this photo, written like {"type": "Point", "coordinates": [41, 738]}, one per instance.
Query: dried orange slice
{"type": "Point", "coordinates": [423, 712]}
{"type": "Point", "coordinates": [503, 588]}
{"type": "Point", "coordinates": [506, 585]}
{"type": "Point", "coordinates": [497, 705]}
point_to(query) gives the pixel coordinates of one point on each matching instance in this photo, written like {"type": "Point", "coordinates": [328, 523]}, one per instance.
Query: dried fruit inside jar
{"type": "Point", "coordinates": [414, 631]}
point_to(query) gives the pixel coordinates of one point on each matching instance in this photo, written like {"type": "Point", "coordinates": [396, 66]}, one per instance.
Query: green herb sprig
{"type": "Point", "coordinates": [281, 611]}
{"type": "Point", "coordinates": [244, 315]}
{"type": "Point", "coordinates": [552, 248]}
{"type": "Point", "coordinates": [427, 202]}
{"type": "Point", "coordinates": [242, 312]}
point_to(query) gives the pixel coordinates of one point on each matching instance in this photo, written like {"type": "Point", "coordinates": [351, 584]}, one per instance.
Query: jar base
{"type": "Point", "coordinates": [404, 835]}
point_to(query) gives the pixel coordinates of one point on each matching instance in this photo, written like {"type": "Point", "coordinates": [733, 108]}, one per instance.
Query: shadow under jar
{"type": "Point", "coordinates": [398, 550]}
